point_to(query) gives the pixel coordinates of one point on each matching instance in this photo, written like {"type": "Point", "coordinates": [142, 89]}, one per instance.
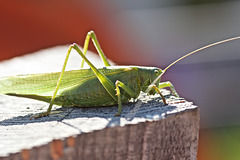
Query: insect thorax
{"type": "Point", "coordinates": [147, 75]}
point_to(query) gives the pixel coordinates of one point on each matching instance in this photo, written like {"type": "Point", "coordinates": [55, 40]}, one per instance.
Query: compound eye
{"type": "Point", "coordinates": [156, 72]}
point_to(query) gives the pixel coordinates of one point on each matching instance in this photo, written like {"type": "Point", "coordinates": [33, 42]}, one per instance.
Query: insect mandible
{"type": "Point", "coordinates": [110, 85]}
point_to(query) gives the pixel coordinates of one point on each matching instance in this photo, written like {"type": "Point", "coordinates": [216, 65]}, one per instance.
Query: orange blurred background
{"type": "Point", "coordinates": [27, 26]}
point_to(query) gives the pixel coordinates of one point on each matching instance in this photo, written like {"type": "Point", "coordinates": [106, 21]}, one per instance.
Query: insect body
{"type": "Point", "coordinates": [81, 87]}
{"type": "Point", "coordinates": [105, 86]}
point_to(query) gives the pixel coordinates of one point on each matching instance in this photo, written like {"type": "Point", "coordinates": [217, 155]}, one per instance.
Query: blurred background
{"type": "Point", "coordinates": [149, 33]}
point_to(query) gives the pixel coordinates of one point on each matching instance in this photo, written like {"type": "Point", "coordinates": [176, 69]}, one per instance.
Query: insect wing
{"type": "Point", "coordinates": [42, 86]}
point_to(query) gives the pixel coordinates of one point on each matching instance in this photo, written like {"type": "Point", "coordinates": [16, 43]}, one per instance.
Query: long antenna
{"type": "Point", "coordinates": [202, 48]}
{"type": "Point", "coordinates": [179, 59]}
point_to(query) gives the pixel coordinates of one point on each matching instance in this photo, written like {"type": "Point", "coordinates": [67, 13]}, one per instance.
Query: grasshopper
{"type": "Point", "coordinates": [110, 85]}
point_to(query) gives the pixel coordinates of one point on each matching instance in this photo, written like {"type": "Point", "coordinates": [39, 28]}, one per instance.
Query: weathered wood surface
{"type": "Point", "coordinates": [145, 130]}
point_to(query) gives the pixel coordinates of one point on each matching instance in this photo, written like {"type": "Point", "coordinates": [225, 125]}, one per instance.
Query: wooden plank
{"type": "Point", "coordinates": [145, 130]}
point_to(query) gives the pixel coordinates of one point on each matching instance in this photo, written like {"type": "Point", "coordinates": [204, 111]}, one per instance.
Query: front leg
{"type": "Point", "coordinates": [158, 90]}
{"type": "Point", "coordinates": [164, 85]}
{"type": "Point", "coordinates": [170, 85]}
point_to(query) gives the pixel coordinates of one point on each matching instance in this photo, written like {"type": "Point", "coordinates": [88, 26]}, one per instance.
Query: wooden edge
{"type": "Point", "coordinates": [175, 137]}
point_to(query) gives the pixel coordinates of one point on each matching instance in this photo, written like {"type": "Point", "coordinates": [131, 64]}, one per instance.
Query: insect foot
{"type": "Point", "coordinates": [44, 114]}
{"type": "Point", "coordinates": [117, 114]}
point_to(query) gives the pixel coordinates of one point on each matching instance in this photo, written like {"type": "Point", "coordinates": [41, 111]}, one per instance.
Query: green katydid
{"type": "Point", "coordinates": [110, 85]}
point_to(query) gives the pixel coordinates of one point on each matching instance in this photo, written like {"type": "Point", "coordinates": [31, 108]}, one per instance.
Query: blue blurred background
{"type": "Point", "coordinates": [150, 33]}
